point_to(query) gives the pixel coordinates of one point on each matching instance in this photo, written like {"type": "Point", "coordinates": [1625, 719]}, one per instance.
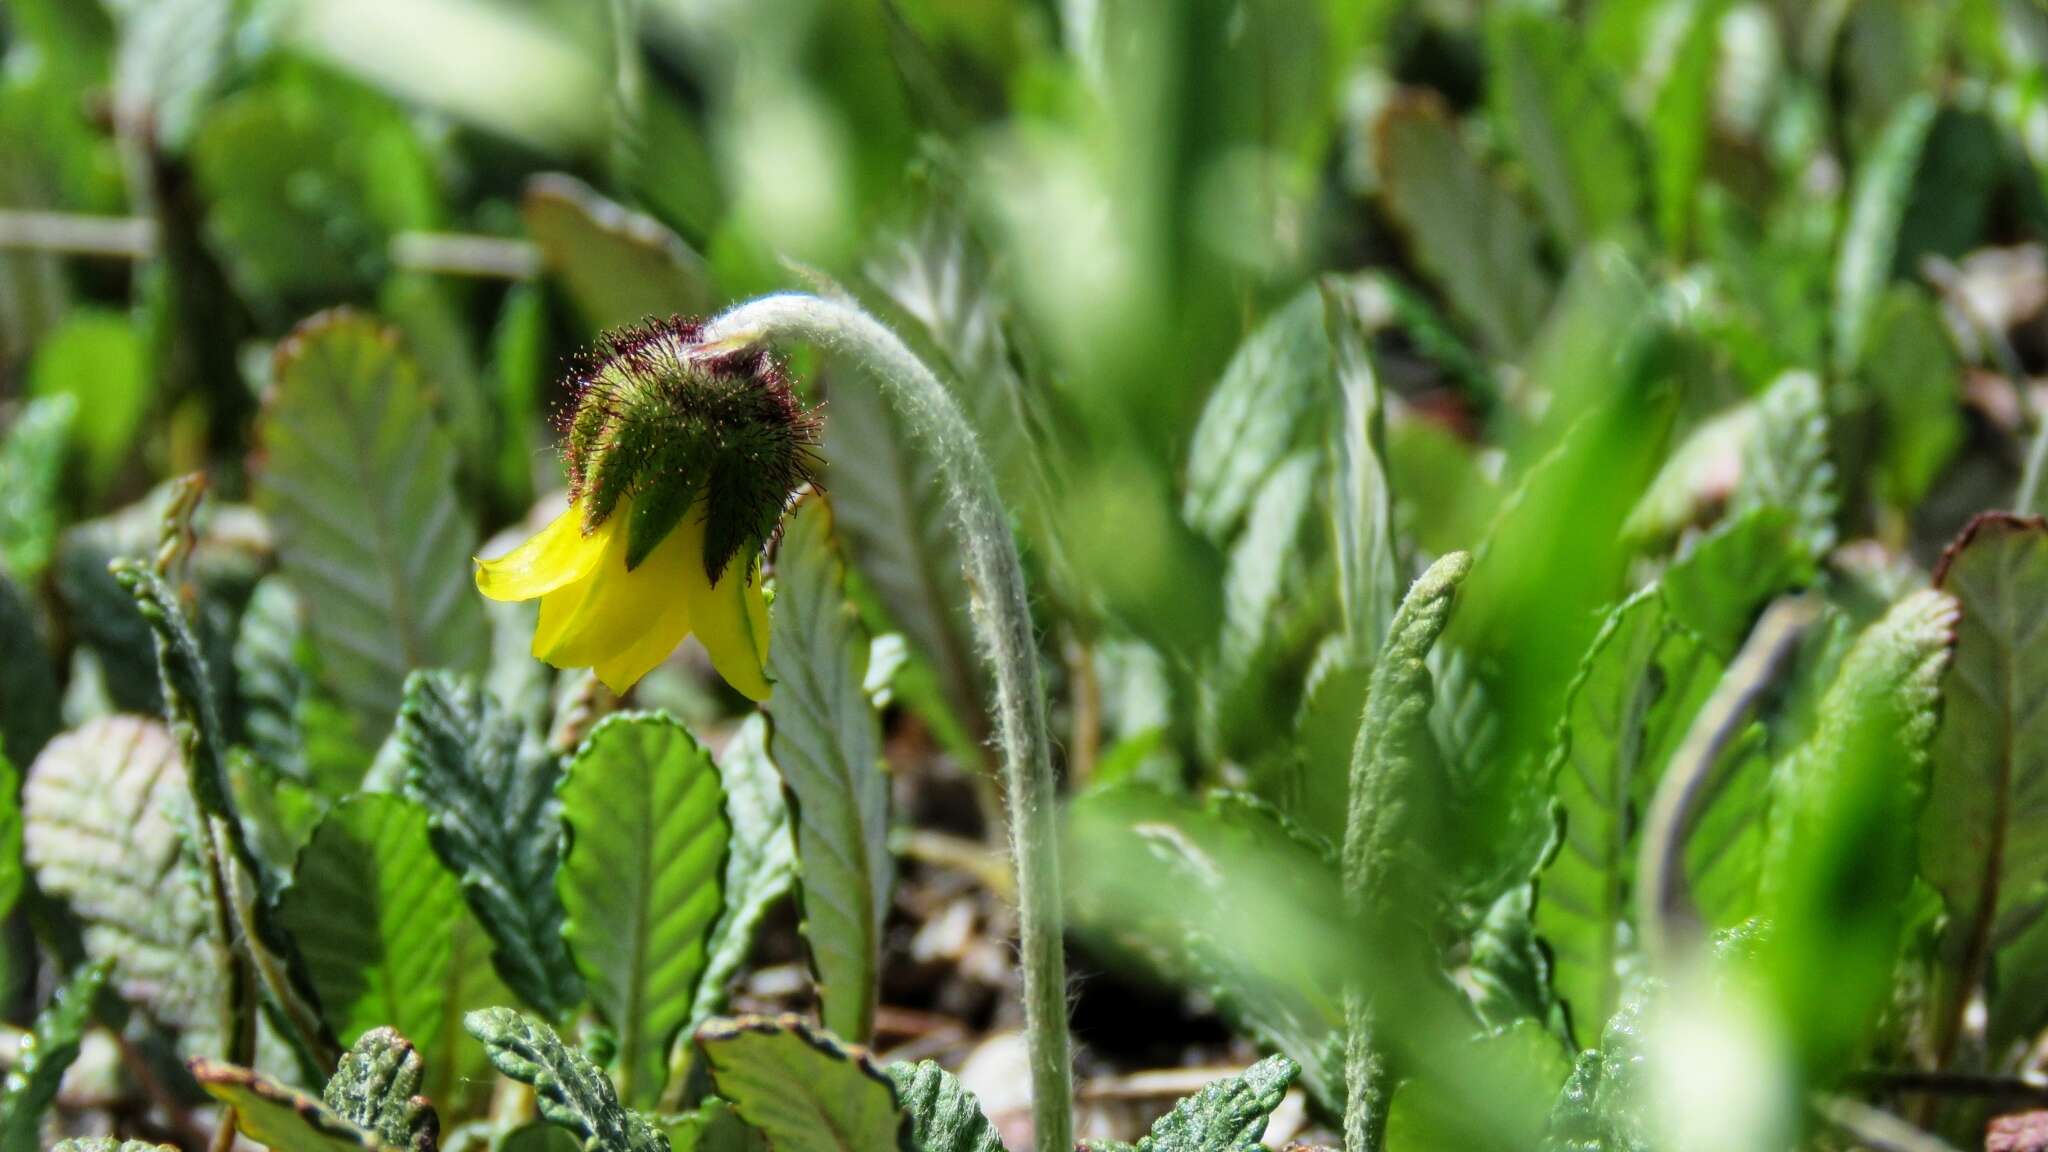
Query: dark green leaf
{"type": "Point", "coordinates": [359, 481]}
{"type": "Point", "coordinates": [31, 1085]}
{"type": "Point", "coordinates": [28, 682]}
{"type": "Point", "coordinates": [828, 744]}
{"type": "Point", "coordinates": [572, 1092]}
{"type": "Point", "coordinates": [377, 1088]}
{"type": "Point", "coordinates": [1228, 1115]}
{"type": "Point", "coordinates": [642, 878]}
{"type": "Point", "coordinates": [802, 1088]}
{"type": "Point", "coordinates": [760, 866]}
{"type": "Point", "coordinates": [488, 786]}
{"type": "Point", "coordinates": [944, 1115]}
{"type": "Point", "coordinates": [370, 909]}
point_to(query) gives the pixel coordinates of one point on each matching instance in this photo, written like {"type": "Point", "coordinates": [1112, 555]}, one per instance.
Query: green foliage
{"type": "Point", "coordinates": [371, 911]}
{"type": "Point", "coordinates": [31, 457]}
{"type": "Point", "coordinates": [1633, 699]}
{"type": "Point", "coordinates": [1978, 846]}
{"type": "Point", "coordinates": [31, 1085]}
{"type": "Point", "coordinates": [828, 745]}
{"type": "Point", "coordinates": [1566, 124]}
{"type": "Point", "coordinates": [944, 1115]}
{"type": "Point", "coordinates": [358, 479]}
{"type": "Point", "coordinates": [283, 1118]}
{"type": "Point", "coordinates": [1870, 240]}
{"type": "Point", "coordinates": [802, 1088]}
{"type": "Point", "coordinates": [489, 791]}
{"type": "Point", "coordinates": [1228, 1115]}
{"type": "Point", "coordinates": [642, 881]}
{"type": "Point", "coordinates": [28, 684]}
{"type": "Point", "coordinates": [103, 808]}
{"type": "Point", "coordinates": [572, 1092]}
{"type": "Point", "coordinates": [377, 1088]}
{"type": "Point", "coordinates": [760, 863]}
{"type": "Point", "coordinates": [96, 358]}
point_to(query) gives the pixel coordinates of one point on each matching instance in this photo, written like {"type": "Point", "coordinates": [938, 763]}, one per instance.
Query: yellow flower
{"type": "Point", "coordinates": [596, 613]}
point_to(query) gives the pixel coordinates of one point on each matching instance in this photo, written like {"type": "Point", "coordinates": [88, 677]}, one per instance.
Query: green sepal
{"type": "Point", "coordinates": [655, 513]}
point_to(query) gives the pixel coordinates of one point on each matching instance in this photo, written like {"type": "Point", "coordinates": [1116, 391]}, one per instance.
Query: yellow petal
{"type": "Point", "coordinates": [732, 621]}
{"type": "Point", "coordinates": [646, 653]}
{"type": "Point", "coordinates": [619, 608]}
{"type": "Point", "coordinates": [551, 558]}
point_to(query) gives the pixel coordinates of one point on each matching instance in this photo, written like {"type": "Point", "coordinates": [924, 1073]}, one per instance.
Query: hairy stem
{"type": "Point", "coordinates": [1002, 620]}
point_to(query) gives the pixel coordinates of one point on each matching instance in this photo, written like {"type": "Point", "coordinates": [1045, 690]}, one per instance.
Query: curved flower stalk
{"type": "Point", "coordinates": [1002, 619]}
{"type": "Point", "coordinates": [680, 465]}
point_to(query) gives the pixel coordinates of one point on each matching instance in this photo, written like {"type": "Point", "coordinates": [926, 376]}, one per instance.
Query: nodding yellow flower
{"type": "Point", "coordinates": [680, 467]}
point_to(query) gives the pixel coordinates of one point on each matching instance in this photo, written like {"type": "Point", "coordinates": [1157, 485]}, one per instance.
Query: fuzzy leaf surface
{"type": "Point", "coordinates": [827, 742]}
{"type": "Point", "coordinates": [1226, 1116]}
{"type": "Point", "coordinates": [103, 808]}
{"type": "Point", "coordinates": [760, 866]}
{"type": "Point", "coordinates": [377, 1088]}
{"type": "Point", "coordinates": [359, 480]}
{"type": "Point", "coordinates": [642, 882]}
{"type": "Point", "coordinates": [488, 786]}
{"type": "Point", "coordinates": [944, 1114]}
{"type": "Point", "coordinates": [572, 1092]}
{"type": "Point", "coordinates": [802, 1088]}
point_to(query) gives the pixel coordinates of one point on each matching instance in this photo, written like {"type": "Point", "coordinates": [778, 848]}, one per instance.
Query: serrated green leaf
{"type": "Point", "coordinates": [1226, 1116]}
{"type": "Point", "coordinates": [1566, 124]}
{"type": "Point", "coordinates": [1267, 590]}
{"type": "Point", "coordinates": [488, 786]}
{"type": "Point", "coordinates": [1632, 701]}
{"type": "Point", "coordinates": [1839, 862]}
{"type": "Point", "coordinates": [1979, 845]}
{"type": "Point", "coordinates": [31, 1085]}
{"type": "Point", "coordinates": [760, 866]}
{"type": "Point", "coordinates": [1254, 416]}
{"type": "Point", "coordinates": [1396, 794]}
{"type": "Point", "coordinates": [1507, 971]}
{"type": "Point", "coordinates": [618, 266]}
{"type": "Point", "coordinates": [944, 1115]}
{"type": "Point", "coordinates": [642, 880]}
{"type": "Point", "coordinates": [1785, 462]}
{"type": "Point", "coordinates": [282, 1118]}
{"type": "Point", "coordinates": [370, 909]}
{"type": "Point", "coordinates": [1436, 191]}
{"type": "Point", "coordinates": [1878, 197]}
{"type": "Point", "coordinates": [1719, 581]}
{"type": "Point", "coordinates": [827, 742]}
{"type": "Point", "coordinates": [31, 464]}
{"type": "Point", "coordinates": [28, 683]}
{"type": "Point", "coordinates": [802, 1088]}
{"type": "Point", "coordinates": [571, 1091]}
{"type": "Point", "coordinates": [377, 1088]}
{"type": "Point", "coordinates": [103, 808]}
{"type": "Point", "coordinates": [359, 481]}
{"type": "Point", "coordinates": [890, 505]}
{"type": "Point", "coordinates": [1361, 503]}
{"type": "Point", "coordinates": [715, 1127]}
{"type": "Point", "coordinates": [288, 717]}
{"type": "Point", "coordinates": [96, 357]}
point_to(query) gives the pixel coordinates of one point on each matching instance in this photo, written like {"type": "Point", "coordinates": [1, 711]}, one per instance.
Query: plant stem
{"type": "Point", "coordinates": [1001, 613]}
{"type": "Point", "coordinates": [135, 238]}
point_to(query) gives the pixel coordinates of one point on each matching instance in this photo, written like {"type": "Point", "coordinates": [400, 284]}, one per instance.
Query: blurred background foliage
{"type": "Point", "coordinates": [1665, 307]}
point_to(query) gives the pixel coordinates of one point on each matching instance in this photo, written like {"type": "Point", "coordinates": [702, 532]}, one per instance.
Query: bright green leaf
{"type": "Point", "coordinates": [761, 865]}
{"type": "Point", "coordinates": [944, 1115]}
{"type": "Point", "coordinates": [802, 1088]}
{"type": "Point", "coordinates": [31, 1085]}
{"type": "Point", "coordinates": [572, 1092]}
